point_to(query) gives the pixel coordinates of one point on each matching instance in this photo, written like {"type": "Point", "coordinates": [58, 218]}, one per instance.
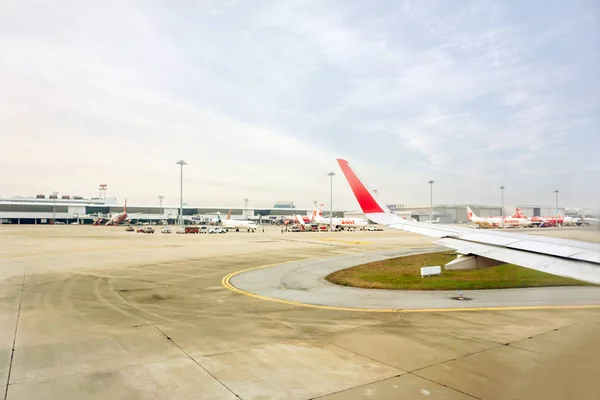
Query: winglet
{"type": "Point", "coordinates": [365, 198]}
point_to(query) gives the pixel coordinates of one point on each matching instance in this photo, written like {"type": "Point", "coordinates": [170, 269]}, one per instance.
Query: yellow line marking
{"type": "Point", "coordinates": [226, 282]}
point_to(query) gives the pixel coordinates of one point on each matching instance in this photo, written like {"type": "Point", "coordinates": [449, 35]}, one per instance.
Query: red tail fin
{"type": "Point", "coordinates": [366, 201]}
{"type": "Point", "coordinates": [519, 213]}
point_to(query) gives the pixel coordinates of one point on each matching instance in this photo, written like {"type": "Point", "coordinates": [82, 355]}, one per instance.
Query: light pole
{"type": "Point", "coordinates": [502, 210]}
{"type": "Point", "coordinates": [431, 199]}
{"type": "Point", "coordinates": [556, 191]}
{"type": "Point", "coordinates": [160, 200]}
{"type": "Point", "coordinates": [246, 208]}
{"type": "Point", "coordinates": [181, 163]}
{"type": "Point", "coordinates": [331, 175]}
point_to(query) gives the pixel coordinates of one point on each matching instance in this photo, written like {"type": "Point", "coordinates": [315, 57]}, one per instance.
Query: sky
{"type": "Point", "coordinates": [261, 97]}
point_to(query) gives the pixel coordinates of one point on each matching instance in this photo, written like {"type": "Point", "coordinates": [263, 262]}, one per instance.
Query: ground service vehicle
{"type": "Point", "coordinates": [192, 229]}
{"type": "Point", "coordinates": [130, 229]}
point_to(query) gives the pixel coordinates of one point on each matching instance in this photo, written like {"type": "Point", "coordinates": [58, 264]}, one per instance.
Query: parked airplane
{"type": "Point", "coordinates": [341, 222]}
{"type": "Point", "coordinates": [229, 223]}
{"type": "Point", "coordinates": [509, 222]}
{"type": "Point", "coordinates": [115, 219]}
{"type": "Point", "coordinates": [563, 257]}
{"type": "Point", "coordinates": [551, 220]}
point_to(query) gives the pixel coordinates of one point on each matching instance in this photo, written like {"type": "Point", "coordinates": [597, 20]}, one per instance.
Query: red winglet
{"type": "Point", "coordinates": [367, 203]}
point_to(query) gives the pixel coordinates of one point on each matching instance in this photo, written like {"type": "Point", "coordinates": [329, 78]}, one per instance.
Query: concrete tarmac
{"type": "Point", "coordinates": [99, 313]}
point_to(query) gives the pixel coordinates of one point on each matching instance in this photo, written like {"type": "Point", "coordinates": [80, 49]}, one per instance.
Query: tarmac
{"type": "Point", "coordinates": [99, 313]}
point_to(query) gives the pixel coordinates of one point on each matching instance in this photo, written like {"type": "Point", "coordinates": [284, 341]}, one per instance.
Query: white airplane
{"type": "Point", "coordinates": [481, 249]}
{"type": "Point", "coordinates": [550, 221]}
{"type": "Point", "coordinates": [229, 223]}
{"type": "Point", "coordinates": [509, 222]}
{"type": "Point", "coordinates": [343, 222]}
{"type": "Point", "coordinates": [115, 219]}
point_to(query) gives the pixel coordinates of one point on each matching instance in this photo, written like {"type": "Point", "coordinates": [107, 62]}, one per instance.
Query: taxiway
{"type": "Point", "coordinates": [98, 313]}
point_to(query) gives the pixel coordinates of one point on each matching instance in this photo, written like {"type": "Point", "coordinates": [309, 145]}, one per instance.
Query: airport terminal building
{"type": "Point", "coordinates": [67, 209]}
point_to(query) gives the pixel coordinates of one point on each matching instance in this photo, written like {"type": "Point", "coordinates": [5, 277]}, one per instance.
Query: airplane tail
{"type": "Point", "coordinates": [125, 206]}
{"type": "Point", "coordinates": [228, 215]}
{"type": "Point", "coordinates": [321, 210]}
{"type": "Point", "coordinates": [470, 214]}
{"type": "Point", "coordinates": [364, 196]}
{"type": "Point", "coordinates": [519, 213]}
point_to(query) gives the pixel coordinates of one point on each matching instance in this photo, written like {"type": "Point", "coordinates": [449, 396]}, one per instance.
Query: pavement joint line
{"type": "Point", "coordinates": [514, 342]}
{"type": "Point", "coordinates": [414, 371]}
{"type": "Point", "coordinates": [402, 371]}
{"type": "Point", "coordinates": [397, 376]}
{"type": "Point", "coordinates": [226, 282]}
{"type": "Point", "coordinates": [509, 344]}
{"type": "Point", "coordinates": [12, 353]}
{"type": "Point", "coordinates": [540, 334]}
{"type": "Point", "coordinates": [357, 386]}
{"type": "Point", "coordinates": [446, 386]}
{"type": "Point", "coordinates": [176, 345]}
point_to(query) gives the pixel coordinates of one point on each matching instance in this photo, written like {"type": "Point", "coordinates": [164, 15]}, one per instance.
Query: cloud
{"type": "Point", "coordinates": [261, 98]}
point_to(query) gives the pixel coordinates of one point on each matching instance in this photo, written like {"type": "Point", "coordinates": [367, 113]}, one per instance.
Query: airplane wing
{"type": "Point", "coordinates": [564, 257]}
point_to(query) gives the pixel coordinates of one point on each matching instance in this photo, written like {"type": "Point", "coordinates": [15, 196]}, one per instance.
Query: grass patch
{"type": "Point", "coordinates": [404, 273]}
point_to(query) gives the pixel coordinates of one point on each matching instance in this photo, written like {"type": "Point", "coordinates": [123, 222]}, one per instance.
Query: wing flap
{"type": "Point", "coordinates": [574, 269]}
{"type": "Point", "coordinates": [548, 248]}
